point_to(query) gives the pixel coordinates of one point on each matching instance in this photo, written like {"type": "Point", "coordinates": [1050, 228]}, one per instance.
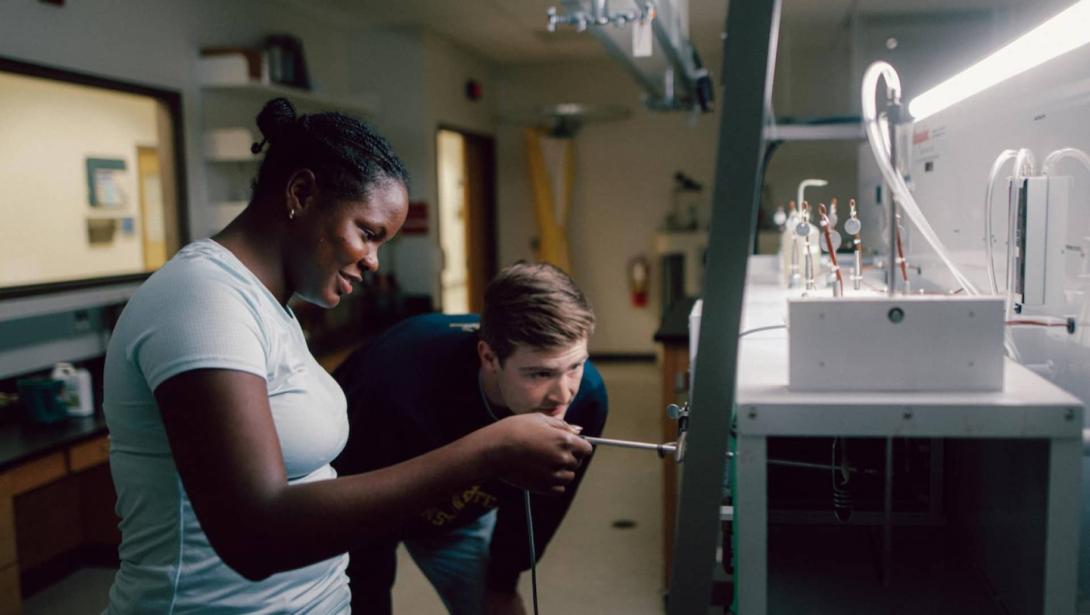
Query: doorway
{"type": "Point", "coordinates": [467, 213]}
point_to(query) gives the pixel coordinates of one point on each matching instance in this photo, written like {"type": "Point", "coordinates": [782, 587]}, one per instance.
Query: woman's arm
{"type": "Point", "coordinates": [228, 455]}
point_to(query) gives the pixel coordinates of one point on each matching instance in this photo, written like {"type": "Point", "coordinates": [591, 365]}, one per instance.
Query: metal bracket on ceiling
{"type": "Point", "coordinates": [680, 83]}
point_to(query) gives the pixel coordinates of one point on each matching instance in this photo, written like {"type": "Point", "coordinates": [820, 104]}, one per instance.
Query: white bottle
{"type": "Point", "coordinates": [77, 388]}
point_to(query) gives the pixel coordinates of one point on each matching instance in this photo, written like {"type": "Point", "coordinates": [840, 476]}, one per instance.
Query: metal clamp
{"type": "Point", "coordinates": [600, 15]}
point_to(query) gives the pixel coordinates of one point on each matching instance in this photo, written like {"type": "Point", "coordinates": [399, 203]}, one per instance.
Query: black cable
{"type": "Point", "coordinates": [759, 329]}
{"type": "Point", "coordinates": [843, 504]}
{"type": "Point", "coordinates": [533, 553]}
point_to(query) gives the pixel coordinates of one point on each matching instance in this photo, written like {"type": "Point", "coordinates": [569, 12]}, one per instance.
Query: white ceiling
{"type": "Point", "coordinates": [513, 31]}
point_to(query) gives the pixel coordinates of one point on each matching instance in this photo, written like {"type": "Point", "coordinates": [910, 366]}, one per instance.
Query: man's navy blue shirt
{"type": "Point", "coordinates": [414, 389]}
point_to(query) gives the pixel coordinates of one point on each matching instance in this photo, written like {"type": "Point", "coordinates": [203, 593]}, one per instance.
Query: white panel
{"type": "Point", "coordinates": [917, 343]}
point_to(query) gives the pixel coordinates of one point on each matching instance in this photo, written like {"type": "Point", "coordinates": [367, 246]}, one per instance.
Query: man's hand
{"type": "Point", "coordinates": [503, 603]}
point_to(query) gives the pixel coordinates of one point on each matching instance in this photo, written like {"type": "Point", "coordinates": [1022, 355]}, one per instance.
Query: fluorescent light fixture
{"type": "Point", "coordinates": [1055, 37]}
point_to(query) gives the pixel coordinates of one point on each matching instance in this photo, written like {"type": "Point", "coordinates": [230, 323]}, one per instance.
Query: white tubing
{"type": "Point", "coordinates": [878, 138]}
{"type": "Point", "coordinates": [806, 183]}
{"type": "Point", "coordinates": [1060, 154]}
{"type": "Point", "coordinates": [1003, 158]}
{"type": "Point", "coordinates": [1008, 154]}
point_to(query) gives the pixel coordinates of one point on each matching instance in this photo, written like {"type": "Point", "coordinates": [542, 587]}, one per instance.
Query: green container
{"type": "Point", "coordinates": [42, 400]}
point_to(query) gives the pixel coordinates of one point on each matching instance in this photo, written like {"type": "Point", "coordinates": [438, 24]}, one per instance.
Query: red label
{"type": "Point", "coordinates": [920, 137]}
{"type": "Point", "coordinates": [416, 222]}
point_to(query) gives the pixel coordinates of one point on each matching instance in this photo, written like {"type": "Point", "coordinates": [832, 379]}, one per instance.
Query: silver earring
{"type": "Point", "coordinates": [291, 214]}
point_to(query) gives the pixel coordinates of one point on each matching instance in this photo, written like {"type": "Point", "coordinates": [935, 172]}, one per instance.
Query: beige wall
{"type": "Point", "coordinates": [420, 80]}
{"type": "Point", "coordinates": [623, 186]}
{"type": "Point", "coordinates": [623, 179]}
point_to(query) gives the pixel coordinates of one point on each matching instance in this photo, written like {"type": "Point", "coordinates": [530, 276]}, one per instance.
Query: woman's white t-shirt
{"type": "Point", "coordinates": [204, 309]}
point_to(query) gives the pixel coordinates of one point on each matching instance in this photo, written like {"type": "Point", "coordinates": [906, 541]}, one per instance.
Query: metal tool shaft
{"type": "Point", "coordinates": [647, 446]}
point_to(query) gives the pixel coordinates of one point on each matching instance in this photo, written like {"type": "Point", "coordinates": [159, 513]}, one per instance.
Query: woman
{"type": "Point", "coordinates": [223, 425]}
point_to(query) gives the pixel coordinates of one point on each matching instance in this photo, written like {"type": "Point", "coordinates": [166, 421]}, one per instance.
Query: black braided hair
{"type": "Point", "coordinates": [346, 156]}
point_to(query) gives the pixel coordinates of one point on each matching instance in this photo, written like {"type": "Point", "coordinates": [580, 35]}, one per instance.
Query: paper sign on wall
{"type": "Point", "coordinates": [105, 183]}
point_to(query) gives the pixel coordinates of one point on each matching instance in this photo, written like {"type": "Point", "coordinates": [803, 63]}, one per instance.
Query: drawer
{"type": "Point", "coordinates": [33, 474]}
{"type": "Point", "coordinates": [9, 589]}
{"type": "Point", "coordinates": [7, 532]}
{"type": "Point", "coordinates": [89, 454]}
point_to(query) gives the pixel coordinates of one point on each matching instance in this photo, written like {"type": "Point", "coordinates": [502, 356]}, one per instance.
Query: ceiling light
{"type": "Point", "coordinates": [1053, 38]}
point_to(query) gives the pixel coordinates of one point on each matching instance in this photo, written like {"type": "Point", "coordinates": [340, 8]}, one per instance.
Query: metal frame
{"type": "Point", "coordinates": [748, 58]}
{"type": "Point", "coordinates": [1028, 407]}
{"type": "Point", "coordinates": [1058, 424]}
{"type": "Point", "coordinates": [683, 65]}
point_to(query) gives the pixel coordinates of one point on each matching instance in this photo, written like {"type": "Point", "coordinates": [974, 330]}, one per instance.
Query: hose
{"type": "Point", "coordinates": [877, 137]}
{"type": "Point", "coordinates": [1004, 156]}
{"type": "Point", "coordinates": [1060, 154]}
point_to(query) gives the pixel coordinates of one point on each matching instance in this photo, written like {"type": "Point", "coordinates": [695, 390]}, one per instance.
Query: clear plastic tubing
{"type": "Point", "coordinates": [1060, 154]}
{"type": "Point", "coordinates": [1002, 159]}
{"type": "Point", "coordinates": [878, 138]}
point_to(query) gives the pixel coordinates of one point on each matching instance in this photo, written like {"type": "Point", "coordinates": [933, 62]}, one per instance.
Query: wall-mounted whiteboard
{"type": "Point", "coordinates": [90, 179]}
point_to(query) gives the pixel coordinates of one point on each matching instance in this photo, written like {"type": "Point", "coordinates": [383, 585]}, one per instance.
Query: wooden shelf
{"type": "Point", "coordinates": [300, 97]}
{"type": "Point", "coordinates": [230, 159]}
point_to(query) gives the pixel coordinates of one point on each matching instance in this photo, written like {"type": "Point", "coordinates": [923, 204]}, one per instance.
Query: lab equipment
{"type": "Point", "coordinates": [904, 343]}
{"type": "Point", "coordinates": [789, 248]}
{"type": "Point", "coordinates": [1024, 407]}
{"type": "Point", "coordinates": [804, 230]}
{"type": "Point", "coordinates": [831, 247]}
{"type": "Point", "coordinates": [854, 227]}
{"type": "Point", "coordinates": [668, 448]}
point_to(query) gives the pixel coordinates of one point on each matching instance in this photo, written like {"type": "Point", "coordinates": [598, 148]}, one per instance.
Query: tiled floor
{"type": "Point", "coordinates": [590, 567]}
{"type": "Point", "coordinates": [84, 591]}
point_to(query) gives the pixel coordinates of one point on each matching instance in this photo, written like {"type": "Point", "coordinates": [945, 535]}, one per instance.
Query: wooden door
{"type": "Point", "coordinates": [480, 227]}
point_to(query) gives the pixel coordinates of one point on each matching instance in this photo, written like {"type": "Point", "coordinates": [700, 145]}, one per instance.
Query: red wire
{"type": "Point", "coordinates": [901, 254]}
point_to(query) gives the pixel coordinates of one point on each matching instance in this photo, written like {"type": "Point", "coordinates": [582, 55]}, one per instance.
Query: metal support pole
{"type": "Point", "coordinates": [748, 59]}
{"type": "Point", "coordinates": [893, 263]}
{"type": "Point", "coordinates": [751, 513]}
{"type": "Point", "coordinates": [887, 519]}
{"type": "Point", "coordinates": [1062, 526]}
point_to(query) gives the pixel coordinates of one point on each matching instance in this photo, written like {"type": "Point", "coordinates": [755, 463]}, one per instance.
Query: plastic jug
{"type": "Point", "coordinates": [77, 388]}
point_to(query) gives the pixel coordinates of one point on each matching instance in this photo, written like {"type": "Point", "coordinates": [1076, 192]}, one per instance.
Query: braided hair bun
{"type": "Point", "coordinates": [276, 118]}
{"type": "Point", "coordinates": [347, 157]}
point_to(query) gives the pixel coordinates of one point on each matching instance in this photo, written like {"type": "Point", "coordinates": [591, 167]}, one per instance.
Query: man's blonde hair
{"type": "Point", "coordinates": [535, 304]}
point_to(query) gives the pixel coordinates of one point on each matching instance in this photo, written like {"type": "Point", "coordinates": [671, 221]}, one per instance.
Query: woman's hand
{"type": "Point", "coordinates": [535, 451]}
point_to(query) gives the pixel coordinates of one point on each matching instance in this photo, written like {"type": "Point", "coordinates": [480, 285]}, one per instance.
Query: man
{"type": "Point", "coordinates": [433, 379]}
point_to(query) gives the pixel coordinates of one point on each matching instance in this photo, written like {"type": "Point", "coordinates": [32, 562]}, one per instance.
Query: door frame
{"type": "Point", "coordinates": [480, 220]}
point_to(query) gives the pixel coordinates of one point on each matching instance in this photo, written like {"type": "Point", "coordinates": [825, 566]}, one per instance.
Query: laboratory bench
{"type": "Point", "coordinates": [57, 498]}
{"type": "Point", "coordinates": [1001, 527]}
{"type": "Point", "coordinates": [56, 503]}
{"type": "Point", "coordinates": [991, 526]}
